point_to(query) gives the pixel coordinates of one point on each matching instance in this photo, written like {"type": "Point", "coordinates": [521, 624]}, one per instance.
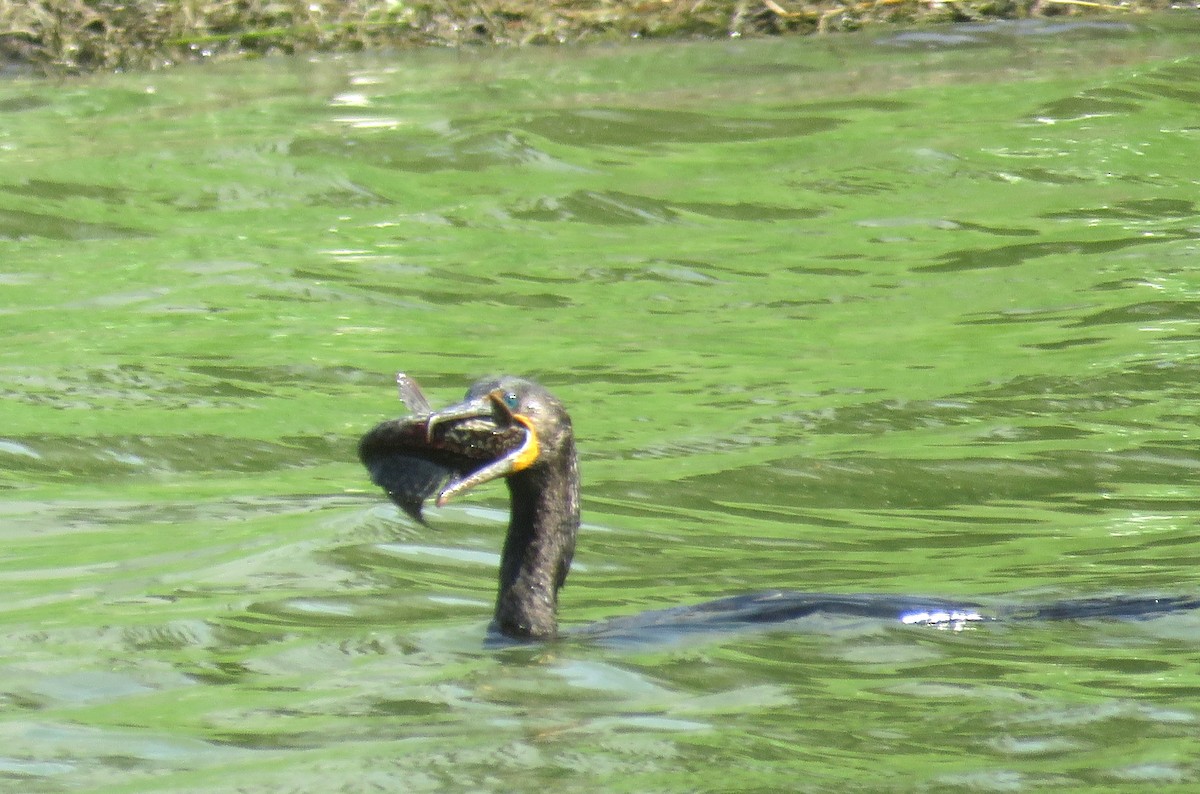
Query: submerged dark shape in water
{"type": "Point", "coordinates": [515, 429]}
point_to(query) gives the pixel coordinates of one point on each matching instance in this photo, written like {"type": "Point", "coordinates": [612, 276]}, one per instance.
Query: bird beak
{"type": "Point", "coordinates": [485, 407]}
{"type": "Point", "coordinates": [490, 406]}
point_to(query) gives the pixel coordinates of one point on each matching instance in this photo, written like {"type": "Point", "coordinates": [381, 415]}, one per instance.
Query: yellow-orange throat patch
{"type": "Point", "coordinates": [528, 454]}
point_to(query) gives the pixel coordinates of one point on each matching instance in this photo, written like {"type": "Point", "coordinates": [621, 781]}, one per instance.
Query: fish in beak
{"type": "Point", "coordinates": [447, 452]}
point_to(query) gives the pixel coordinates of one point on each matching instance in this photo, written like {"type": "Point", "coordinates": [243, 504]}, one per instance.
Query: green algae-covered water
{"type": "Point", "coordinates": [908, 313]}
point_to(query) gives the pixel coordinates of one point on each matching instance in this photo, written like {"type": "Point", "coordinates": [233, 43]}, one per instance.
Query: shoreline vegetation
{"type": "Point", "coordinates": [72, 36]}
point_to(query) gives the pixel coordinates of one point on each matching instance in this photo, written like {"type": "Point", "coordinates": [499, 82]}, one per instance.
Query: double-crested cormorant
{"type": "Point", "coordinates": [506, 427]}
{"type": "Point", "coordinates": [515, 429]}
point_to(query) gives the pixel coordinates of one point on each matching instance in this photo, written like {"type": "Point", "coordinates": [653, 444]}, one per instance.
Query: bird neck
{"type": "Point", "coordinates": [538, 550]}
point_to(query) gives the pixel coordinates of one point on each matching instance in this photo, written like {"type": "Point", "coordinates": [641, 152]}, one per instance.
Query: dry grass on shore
{"type": "Point", "coordinates": [75, 35]}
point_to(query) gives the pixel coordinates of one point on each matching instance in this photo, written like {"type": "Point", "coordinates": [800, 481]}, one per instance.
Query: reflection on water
{"type": "Point", "coordinates": [905, 314]}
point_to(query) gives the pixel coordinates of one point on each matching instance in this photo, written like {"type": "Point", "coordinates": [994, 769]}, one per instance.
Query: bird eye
{"type": "Point", "coordinates": [511, 400]}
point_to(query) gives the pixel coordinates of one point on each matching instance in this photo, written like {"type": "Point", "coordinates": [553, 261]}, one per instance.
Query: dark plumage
{"type": "Point", "coordinates": [514, 429]}
{"type": "Point", "coordinates": [505, 427]}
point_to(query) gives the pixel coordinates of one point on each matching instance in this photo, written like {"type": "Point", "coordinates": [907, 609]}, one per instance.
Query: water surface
{"type": "Point", "coordinates": [902, 313]}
